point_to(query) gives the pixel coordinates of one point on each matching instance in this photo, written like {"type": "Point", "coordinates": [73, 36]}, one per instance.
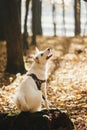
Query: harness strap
{"type": "Point", "coordinates": [37, 81]}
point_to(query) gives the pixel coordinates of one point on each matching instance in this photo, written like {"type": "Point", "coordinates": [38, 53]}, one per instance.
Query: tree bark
{"type": "Point", "coordinates": [13, 37]}
{"type": "Point", "coordinates": [36, 19]}
{"type": "Point", "coordinates": [3, 13]}
{"type": "Point", "coordinates": [54, 17]}
{"type": "Point", "coordinates": [25, 34]}
{"type": "Point", "coordinates": [77, 17]}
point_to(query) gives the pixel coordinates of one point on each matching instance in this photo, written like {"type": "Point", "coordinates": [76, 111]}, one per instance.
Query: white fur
{"type": "Point", "coordinates": [29, 98]}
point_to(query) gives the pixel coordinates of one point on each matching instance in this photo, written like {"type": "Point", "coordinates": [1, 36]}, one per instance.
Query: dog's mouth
{"type": "Point", "coordinates": [49, 56]}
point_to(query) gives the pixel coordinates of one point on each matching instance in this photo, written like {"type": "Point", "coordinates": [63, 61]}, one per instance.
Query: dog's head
{"type": "Point", "coordinates": [42, 57]}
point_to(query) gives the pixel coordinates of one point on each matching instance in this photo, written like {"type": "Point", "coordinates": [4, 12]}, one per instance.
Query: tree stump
{"type": "Point", "coordinates": [43, 120]}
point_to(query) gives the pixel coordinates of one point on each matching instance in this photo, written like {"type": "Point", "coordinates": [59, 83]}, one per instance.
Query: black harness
{"type": "Point", "coordinates": [37, 81]}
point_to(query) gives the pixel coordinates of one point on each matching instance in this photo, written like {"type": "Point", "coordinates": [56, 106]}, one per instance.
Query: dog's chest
{"type": "Point", "coordinates": [37, 81]}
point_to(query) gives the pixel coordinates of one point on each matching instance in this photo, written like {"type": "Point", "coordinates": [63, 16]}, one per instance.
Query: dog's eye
{"type": "Point", "coordinates": [41, 54]}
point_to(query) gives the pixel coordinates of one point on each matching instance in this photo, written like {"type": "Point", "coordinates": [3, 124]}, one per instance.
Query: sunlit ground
{"type": "Point", "coordinates": [67, 77]}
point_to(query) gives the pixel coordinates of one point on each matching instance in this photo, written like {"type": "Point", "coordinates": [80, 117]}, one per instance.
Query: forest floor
{"type": "Point", "coordinates": [67, 77]}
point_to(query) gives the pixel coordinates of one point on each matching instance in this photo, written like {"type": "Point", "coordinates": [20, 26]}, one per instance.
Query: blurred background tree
{"type": "Point", "coordinates": [57, 17]}
{"type": "Point", "coordinates": [25, 34]}
{"type": "Point", "coordinates": [36, 19]}
{"type": "Point", "coordinates": [11, 32]}
{"type": "Point", "coordinates": [77, 10]}
{"type": "Point", "coordinates": [23, 18]}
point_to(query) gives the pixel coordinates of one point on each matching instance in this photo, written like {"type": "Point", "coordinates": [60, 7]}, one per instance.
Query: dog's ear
{"type": "Point", "coordinates": [35, 58]}
{"type": "Point", "coordinates": [37, 50]}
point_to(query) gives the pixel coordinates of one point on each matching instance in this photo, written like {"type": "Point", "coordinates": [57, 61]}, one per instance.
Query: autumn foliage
{"type": "Point", "coordinates": [67, 78]}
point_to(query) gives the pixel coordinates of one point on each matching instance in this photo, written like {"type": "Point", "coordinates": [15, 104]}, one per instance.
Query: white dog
{"type": "Point", "coordinates": [33, 88]}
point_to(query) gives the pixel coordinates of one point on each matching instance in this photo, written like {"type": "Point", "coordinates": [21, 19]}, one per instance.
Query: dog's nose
{"type": "Point", "coordinates": [49, 49]}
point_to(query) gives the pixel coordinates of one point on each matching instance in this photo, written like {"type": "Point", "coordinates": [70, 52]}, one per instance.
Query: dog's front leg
{"type": "Point", "coordinates": [44, 94]}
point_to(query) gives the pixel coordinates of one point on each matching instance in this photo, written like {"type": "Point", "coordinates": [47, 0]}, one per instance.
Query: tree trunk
{"type": "Point", "coordinates": [64, 29]}
{"type": "Point", "coordinates": [77, 16]}
{"type": "Point", "coordinates": [85, 25]}
{"type": "Point", "coordinates": [3, 13]}
{"type": "Point", "coordinates": [36, 19]}
{"type": "Point", "coordinates": [25, 34]}
{"type": "Point", "coordinates": [19, 7]}
{"type": "Point", "coordinates": [44, 120]}
{"type": "Point", "coordinates": [54, 17]}
{"type": "Point", "coordinates": [13, 37]}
